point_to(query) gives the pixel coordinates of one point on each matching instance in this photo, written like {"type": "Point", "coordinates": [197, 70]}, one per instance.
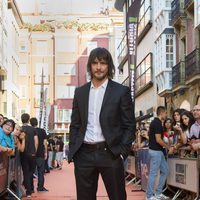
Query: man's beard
{"type": "Point", "coordinates": [100, 78]}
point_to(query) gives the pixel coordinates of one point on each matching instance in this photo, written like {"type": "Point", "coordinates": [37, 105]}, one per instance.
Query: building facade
{"type": "Point", "coordinates": [150, 47]}
{"type": "Point", "coordinates": [10, 24]}
{"type": "Point", "coordinates": [171, 34]}
{"type": "Point", "coordinates": [53, 55]}
{"type": "Point", "coordinates": [186, 70]}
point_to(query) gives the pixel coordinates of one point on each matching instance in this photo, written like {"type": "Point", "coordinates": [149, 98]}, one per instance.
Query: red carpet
{"type": "Point", "coordinates": [61, 186]}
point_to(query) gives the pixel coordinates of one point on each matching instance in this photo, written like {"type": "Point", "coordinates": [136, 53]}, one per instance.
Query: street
{"type": "Point", "coordinates": [61, 186]}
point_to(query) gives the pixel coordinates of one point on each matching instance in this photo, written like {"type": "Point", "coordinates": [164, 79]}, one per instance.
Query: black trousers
{"type": "Point", "coordinates": [28, 163]}
{"type": "Point", "coordinates": [89, 164]}
{"type": "Point", "coordinates": [40, 162]}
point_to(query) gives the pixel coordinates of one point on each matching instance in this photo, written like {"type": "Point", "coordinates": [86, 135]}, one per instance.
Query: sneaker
{"type": "Point", "coordinates": [151, 198]}
{"type": "Point", "coordinates": [42, 190]}
{"type": "Point", "coordinates": [162, 197]}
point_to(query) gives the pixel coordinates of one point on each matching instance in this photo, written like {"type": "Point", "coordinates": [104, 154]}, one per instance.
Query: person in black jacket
{"type": "Point", "coordinates": [101, 130]}
{"type": "Point", "coordinates": [28, 156]}
{"type": "Point", "coordinates": [41, 154]}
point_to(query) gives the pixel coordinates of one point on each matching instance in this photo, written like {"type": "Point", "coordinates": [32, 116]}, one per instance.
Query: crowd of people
{"type": "Point", "coordinates": [175, 136]}
{"type": "Point", "coordinates": [38, 152]}
{"type": "Point", "coordinates": [181, 132]}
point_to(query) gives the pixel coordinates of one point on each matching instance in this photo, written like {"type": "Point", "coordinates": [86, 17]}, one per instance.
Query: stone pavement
{"type": "Point", "coordinates": [61, 186]}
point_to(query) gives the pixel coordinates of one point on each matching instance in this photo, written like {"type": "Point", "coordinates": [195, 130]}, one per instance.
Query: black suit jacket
{"type": "Point", "coordinates": [116, 119]}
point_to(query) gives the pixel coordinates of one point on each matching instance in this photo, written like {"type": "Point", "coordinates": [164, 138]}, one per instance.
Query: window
{"type": "Point", "coordinates": [170, 18]}
{"type": "Point", "coordinates": [168, 3]}
{"type": "Point", "coordinates": [66, 45]}
{"type": "Point", "coordinates": [23, 92]}
{"type": "Point", "coordinates": [41, 47]}
{"type": "Point", "coordinates": [23, 69]}
{"type": "Point", "coordinates": [65, 92]}
{"type": "Point", "coordinates": [143, 72]}
{"type": "Point", "coordinates": [169, 51]}
{"type": "Point", "coordinates": [64, 69]}
{"type": "Point", "coordinates": [22, 46]}
{"type": "Point", "coordinates": [64, 115]}
{"type": "Point", "coordinates": [90, 46]}
{"type": "Point", "coordinates": [37, 93]}
{"type": "Point", "coordinates": [144, 15]}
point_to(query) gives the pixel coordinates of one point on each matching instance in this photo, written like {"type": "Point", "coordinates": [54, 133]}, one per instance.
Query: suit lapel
{"type": "Point", "coordinates": [107, 93]}
{"type": "Point", "coordinates": [86, 99]}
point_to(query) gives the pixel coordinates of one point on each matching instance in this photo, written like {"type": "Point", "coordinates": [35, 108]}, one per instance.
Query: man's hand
{"type": "Point", "coordinates": [195, 146]}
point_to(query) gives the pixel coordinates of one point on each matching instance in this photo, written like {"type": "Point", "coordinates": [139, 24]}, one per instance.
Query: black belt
{"type": "Point", "coordinates": [95, 146]}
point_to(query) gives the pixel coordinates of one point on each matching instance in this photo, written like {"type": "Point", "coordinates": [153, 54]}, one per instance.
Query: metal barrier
{"type": "Point", "coordinates": [3, 171]}
{"type": "Point", "coordinates": [10, 173]}
{"type": "Point", "coordinates": [138, 167]}
{"type": "Point", "coordinates": [184, 174]}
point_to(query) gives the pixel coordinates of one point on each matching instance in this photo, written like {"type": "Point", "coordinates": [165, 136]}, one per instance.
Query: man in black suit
{"type": "Point", "coordinates": [101, 130]}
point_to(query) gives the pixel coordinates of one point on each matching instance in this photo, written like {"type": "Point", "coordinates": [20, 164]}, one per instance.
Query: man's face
{"type": "Point", "coordinates": [196, 112]}
{"type": "Point", "coordinates": [99, 69]}
{"type": "Point", "coordinates": [164, 115]}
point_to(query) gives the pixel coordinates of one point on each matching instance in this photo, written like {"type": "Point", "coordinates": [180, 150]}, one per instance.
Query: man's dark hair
{"type": "Point", "coordinates": [25, 117]}
{"type": "Point", "coordinates": [101, 54]}
{"type": "Point", "coordinates": [160, 109]}
{"type": "Point", "coordinates": [33, 121]}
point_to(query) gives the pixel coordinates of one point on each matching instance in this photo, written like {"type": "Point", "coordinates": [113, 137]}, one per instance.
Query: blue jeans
{"type": "Point", "coordinates": [157, 163]}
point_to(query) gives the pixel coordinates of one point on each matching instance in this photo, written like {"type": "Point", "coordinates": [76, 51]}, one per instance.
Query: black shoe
{"type": "Point", "coordinates": [42, 190]}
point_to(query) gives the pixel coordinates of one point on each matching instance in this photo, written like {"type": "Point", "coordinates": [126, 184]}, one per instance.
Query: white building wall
{"type": "Point", "coordinates": [147, 99]}
{"type": "Point", "coordinates": [13, 64]}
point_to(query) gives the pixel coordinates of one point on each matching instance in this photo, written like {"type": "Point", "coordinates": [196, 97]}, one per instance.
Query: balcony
{"type": "Point", "coordinates": [189, 3]}
{"type": "Point", "coordinates": [122, 50]}
{"type": "Point", "coordinates": [178, 76]}
{"type": "Point", "coordinates": [164, 80]}
{"type": "Point", "coordinates": [192, 67]}
{"type": "Point", "coordinates": [177, 11]}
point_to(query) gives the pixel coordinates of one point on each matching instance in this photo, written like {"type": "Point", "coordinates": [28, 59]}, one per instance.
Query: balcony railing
{"type": "Point", "coordinates": [192, 64]}
{"type": "Point", "coordinates": [178, 74]}
{"type": "Point", "coordinates": [177, 9]}
{"type": "Point", "coordinates": [122, 49]}
{"type": "Point", "coordinates": [126, 81]}
{"type": "Point", "coordinates": [188, 2]}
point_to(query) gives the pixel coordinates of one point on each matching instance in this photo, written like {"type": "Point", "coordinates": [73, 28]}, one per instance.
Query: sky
{"type": "Point", "coordinates": [62, 6]}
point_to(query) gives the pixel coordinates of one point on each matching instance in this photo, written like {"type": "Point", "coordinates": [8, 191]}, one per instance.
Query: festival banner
{"type": "Point", "coordinates": [132, 29]}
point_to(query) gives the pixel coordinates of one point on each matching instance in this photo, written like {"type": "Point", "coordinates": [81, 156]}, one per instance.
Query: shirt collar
{"type": "Point", "coordinates": [104, 85]}
{"type": "Point", "coordinates": [196, 123]}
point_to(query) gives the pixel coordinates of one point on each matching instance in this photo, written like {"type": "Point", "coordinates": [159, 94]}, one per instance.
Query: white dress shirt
{"type": "Point", "coordinates": [94, 132]}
